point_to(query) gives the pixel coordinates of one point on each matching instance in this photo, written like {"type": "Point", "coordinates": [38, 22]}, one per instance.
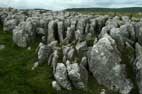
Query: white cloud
{"type": "Point", "coordinates": [62, 4]}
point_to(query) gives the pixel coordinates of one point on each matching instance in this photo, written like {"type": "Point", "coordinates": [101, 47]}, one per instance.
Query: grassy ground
{"type": "Point", "coordinates": [16, 76]}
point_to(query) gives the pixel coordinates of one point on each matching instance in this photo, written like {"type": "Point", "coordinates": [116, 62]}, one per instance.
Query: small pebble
{"type": "Point", "coordinates": [29, 48]}
{"type": "Point", "coordinates": [2, 46]}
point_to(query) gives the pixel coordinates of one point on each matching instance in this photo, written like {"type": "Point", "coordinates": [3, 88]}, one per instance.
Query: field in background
{"type": "Point", "coordinates": [131, 12]}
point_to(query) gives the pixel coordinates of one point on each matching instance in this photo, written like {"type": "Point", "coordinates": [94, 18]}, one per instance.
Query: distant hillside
{"type": "Point", "coordinates": [130, 9]}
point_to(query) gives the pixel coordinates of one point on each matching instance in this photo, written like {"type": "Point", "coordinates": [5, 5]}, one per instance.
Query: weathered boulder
{"type": "Point", "coordinates": [10, 25]}
{"type": "Point", "coordinates": [2, 46]}
{"type": "Point", "coordinates": [103, 91]}
{"type": "Point", "coordinates": [125, 19]}
{"type": "Point", "coordinates": [119, 39]}
{"type": "Point", "coordinates": [138, 28]}
{"type": "Point", "coordinates": [69, 35]}
{"type": "Point", "coordinates": [53, 44]}
{"type": "Point", "coordinates": [19, 37]}
{"type": "Point", "coordinates": [23, 34]}
{"type": "Point", "coordinates": [40, 31]}
{"type": "Point", "coordinates": [65, 52]}
{"type": "Point", "coordinates": [61, 76]}
{"type": "Point", "coordinates": [78, 35]}
{"type": "Point", "coordinates": [138, 66]}
{"type": "Point", "coordinates": [81, 48]}
{"type": "Point", "coordinates": [29, 29]}
{"type": "Point", "coordinates": [56, 86]}
{"type": "Point", "coordinates": [82, 24]}
{"type": "Point", "coordinates": [52, 27]}
{"type": "Point", "coordinates": [55, 60]}
{"type": "Point", "coordinates": [44, 51]}
{"type": "Point", "coordinates": [75, 75]}
{"type": "Point", "coordinates": [105, 65]}
{"type": "Point", "coordinates": [71, 54]}
{"type": "Point", "coordinates": [127, 31]}
{"type": "Point", "coordinates": [112, 23]}
{"type": "Point", "coordinates": [83, 70]}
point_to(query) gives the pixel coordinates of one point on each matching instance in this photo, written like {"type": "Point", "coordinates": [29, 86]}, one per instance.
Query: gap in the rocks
{"type": "Point", "coordinates": [1, 24]}
{"type": "Point", "coordinates": [128, 57]}
{"type": "Point", "coordinates": [56, 35]}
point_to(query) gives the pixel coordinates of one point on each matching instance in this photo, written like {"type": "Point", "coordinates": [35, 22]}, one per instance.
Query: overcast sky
{"type": "Point", "coordinates": [63, 4]}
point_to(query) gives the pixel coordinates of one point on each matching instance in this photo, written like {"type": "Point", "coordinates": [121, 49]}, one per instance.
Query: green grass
{"type": "Point", "coordinates": [16, 76]}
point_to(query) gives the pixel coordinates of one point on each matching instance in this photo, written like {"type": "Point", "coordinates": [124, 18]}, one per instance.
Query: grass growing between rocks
{"type": "Point", "coordinates": [16, 76]}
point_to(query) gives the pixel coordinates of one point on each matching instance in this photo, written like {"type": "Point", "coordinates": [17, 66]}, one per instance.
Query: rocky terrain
{"type": "Point", "coordinates": [78, 46]}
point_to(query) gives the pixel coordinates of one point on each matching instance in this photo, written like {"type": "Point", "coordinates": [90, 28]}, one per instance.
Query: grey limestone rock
{"type": "Point", "coordinates": [106, 68]}
{"type": "Point", "coordinates": [138, 66]}
{"type": "Point", "coordinates": [61, 76]}
{"type": "Point", "coordinates": [75, 75]}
